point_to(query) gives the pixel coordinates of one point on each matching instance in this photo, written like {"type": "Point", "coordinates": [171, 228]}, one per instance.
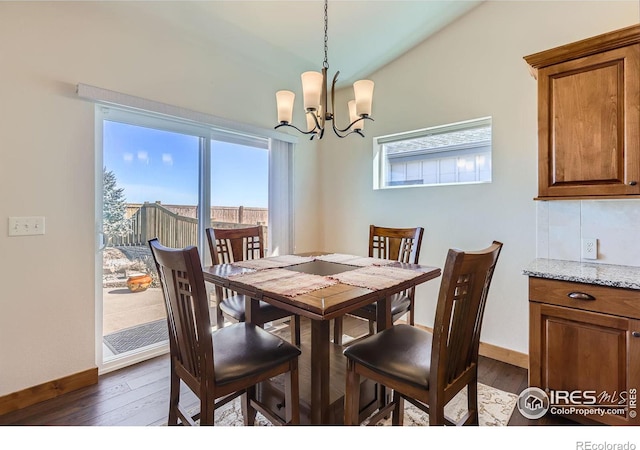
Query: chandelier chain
{"type": "Point", "coordinates": [325, 64]}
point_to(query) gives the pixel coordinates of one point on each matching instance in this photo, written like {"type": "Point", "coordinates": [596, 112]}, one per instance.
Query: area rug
{"type": "Point", "coordinates": [137, 337]}
{"type": "Point", "coordinates": [495, 409]}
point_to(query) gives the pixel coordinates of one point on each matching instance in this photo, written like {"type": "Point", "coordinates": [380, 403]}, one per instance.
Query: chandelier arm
{"type": "Point", "coordinates": [314, 132]}
{"type": "Point", "coordinates": [333, 96]}
{"type": "Point", "coordinates": [340, 134]}
{"type": "Point", "coordinates": [325, 114]}
{"type": "Point", "coordinates": [353, 123]}
{"type": "Point", "coordinates": [318, 126]}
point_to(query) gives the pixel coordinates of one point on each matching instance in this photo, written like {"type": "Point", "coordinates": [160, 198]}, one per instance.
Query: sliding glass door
{"type": "Point", "coordinates": [166, 179]}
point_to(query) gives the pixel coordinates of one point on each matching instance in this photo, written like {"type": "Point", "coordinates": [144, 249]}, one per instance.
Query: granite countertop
{"type": "Point", "coordinates": [580, 272]}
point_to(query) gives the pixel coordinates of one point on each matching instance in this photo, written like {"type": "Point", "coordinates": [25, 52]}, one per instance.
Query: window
{"type": "Point", "coordinates": [457, 153]}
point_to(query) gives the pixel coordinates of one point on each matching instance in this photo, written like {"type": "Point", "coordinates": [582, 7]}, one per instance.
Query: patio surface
{"type": "Point", "coordinates": [124, 309]}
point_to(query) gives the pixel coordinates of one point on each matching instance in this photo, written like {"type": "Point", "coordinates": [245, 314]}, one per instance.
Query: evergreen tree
{"type": "Point", "coordinates": [114, 206]}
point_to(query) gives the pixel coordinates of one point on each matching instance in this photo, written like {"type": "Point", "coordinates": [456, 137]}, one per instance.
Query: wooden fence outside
{"type": "Point", "coordinates": [227, 214]}
{"type": "Point", "coordinates": [150, 220]}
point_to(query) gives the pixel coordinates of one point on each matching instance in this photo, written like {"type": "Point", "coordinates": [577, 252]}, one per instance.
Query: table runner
{"type": "Point", "coordinates": [284, 282]}
{"type": "Point", "coordinates": [375, 277]}
{"type": "Point", "coordinates": [353, 260]}
{"type": "Point", "coordinates": [274, 262]}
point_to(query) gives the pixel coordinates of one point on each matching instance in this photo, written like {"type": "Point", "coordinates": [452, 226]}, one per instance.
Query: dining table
{"type": "Point", "coordinates": [320, 286]}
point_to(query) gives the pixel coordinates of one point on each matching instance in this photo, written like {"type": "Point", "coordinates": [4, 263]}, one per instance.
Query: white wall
{"type": "Point", "coordinates": [47, 309]}
{"type": "Point", "coordinates": [471, 69]}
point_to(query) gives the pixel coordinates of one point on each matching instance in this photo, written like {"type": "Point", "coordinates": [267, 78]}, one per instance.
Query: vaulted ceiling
{"type": "Point", "coordinates": [363, 35]}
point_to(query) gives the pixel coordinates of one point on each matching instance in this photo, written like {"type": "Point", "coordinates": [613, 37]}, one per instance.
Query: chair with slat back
{"type": "Point", "coordinates": [222, 365]}
{"type": "Point", "coordinates": [398, 244]}
{"type": "Point", "coordinates": [229, 245]}
{"type": "Point", "coordinates": [428, 369]}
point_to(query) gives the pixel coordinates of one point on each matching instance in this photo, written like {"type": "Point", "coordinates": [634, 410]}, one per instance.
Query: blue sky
{"type": "Point", "coordinates": [153, 165]}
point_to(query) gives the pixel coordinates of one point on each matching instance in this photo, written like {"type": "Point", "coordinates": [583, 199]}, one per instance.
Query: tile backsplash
{"type": "Point", "coordinates": [562, 224]}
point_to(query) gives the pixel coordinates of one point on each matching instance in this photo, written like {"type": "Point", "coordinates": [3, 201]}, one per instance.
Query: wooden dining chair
{"type": "Point", "coordinates": [398, 244]}
{"type": "Point", "coordinates": [429, 369]}
{"type": "Point", "coordinates": [229, 245]}
{"type": "Point", "coordinates": [222, 365]}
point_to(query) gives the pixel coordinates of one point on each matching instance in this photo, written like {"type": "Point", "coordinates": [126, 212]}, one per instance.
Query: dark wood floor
{"type": "Point", "coordinates": [139, 395]}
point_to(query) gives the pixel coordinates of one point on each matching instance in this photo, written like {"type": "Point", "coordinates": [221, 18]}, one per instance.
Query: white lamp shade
{"type": "Point", "coordinates": [363, 90]}
{"type": "Point", "coordinates": [284, 102]}
{"type": "Point", "coordinates": [353, 116]}
{"type": "Point", "coordinates": [311, 89]}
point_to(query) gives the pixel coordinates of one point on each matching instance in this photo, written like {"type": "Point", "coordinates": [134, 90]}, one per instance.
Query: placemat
{"type": "Point", "coordinates": [375, 277]}
{"type": "Point", "coordinates": [274, 262]}
{"type": "Point", "coordinates": [354, 260]}
{"type": "Point", "coordinates": [284, 282]}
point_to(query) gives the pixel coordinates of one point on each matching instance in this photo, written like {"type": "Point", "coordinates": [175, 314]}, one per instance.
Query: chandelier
{"type": "Point", "coordinates": [314, 91]}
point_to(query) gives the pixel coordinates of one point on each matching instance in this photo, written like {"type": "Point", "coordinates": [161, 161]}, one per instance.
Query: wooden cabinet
{"type": "Point", "coordinates": [586, 338]}
{"type": "Point", "coordinates": [589, 117]}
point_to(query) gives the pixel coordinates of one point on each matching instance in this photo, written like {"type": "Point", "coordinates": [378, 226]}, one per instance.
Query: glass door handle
{"type": "Point", "coordinates": [102, 241]}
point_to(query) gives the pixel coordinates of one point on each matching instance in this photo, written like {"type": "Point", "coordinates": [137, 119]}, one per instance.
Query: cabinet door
{"type": "Point", "coordinates": [588, 122]}
{"type": "Point", "coordinates": [574, 350]}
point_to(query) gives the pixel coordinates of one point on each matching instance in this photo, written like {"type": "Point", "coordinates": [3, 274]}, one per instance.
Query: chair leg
{"type": "Point", "coordinates": [352, 395]}
{"type": "Point", "coordinates": [398, 410]}
{"type": "Point", "coordinates": [174, 397]}
{"type": "Point", "coordinates": [372, 327]}
{"type": "Point", "coordinates": [219, 318]}
{"type": "Point", "coordinates": [337, 330]}
{"type": "Point", "coordinates": [436, 413]}
{"type": "Point", "coordinates": [292, 394]}
{"type": "Point", "coordinates": [411, 313]}
{"type": "Point", "coordinates": [248, 411]}
{"type": "Point", "coordinates": [294, 324]}
{"type": "Point", "coordinates": [472, 402]}
{"type": "Point", "coordinates": [207, 410]}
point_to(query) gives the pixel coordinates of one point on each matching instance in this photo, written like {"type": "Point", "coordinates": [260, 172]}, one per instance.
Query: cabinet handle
{"type": "Point", "coordinates": [635, 334]}
{"type": "Point", "coordinates": [632, 183]}
{"type": "Point", "coordinates": [580, 296]}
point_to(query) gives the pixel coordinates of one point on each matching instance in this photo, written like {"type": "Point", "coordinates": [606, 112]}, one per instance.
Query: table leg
{"type": "Point", "coordinates": [251, 309]}
{"type": "Point", "coordinates": [319, 371]}
{"type": "Point", "coordinates": [384, 320]}
{"type": "Point", "coordinates": [383, 314]}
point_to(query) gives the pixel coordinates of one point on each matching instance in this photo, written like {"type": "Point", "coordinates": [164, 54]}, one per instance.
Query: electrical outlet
{"type": "Point", "coordinates": [589, 248]}
{"type": "Point", "coordinates": [26, 226]}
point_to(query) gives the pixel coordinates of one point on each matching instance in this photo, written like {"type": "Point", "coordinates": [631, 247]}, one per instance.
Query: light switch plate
{"type": "Point", "coordinates": [26, 226]}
